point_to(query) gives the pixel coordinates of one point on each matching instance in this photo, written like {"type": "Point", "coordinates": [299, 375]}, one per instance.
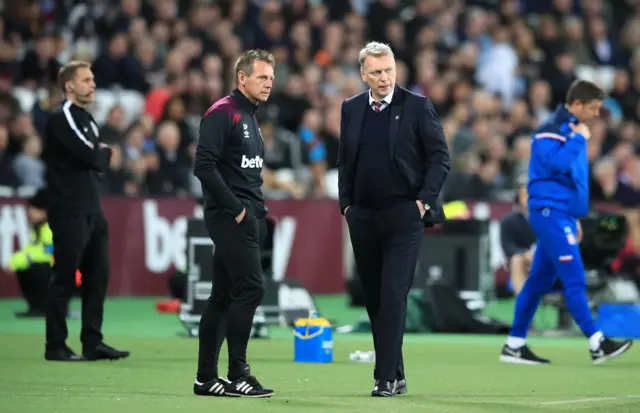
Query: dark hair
{"type": "Point", "coordinates": [244, 63]}
{"type": "Point", "coordinates": [172, 78]}
{"type": "Point", "coordinates": [584, 92]}
{"type": "Point", "coordinates": [68, 72]}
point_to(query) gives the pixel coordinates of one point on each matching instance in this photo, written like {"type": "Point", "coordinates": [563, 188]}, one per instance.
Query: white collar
{"type": "Point", "coordinates": [387, 99]}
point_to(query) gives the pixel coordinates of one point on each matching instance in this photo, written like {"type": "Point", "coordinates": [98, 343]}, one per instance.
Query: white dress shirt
{"type": "Point", "coordinates": [386, 101]}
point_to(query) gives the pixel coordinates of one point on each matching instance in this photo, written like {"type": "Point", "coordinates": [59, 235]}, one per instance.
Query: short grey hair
{"type": "Point", "coordinates": [375, 49]}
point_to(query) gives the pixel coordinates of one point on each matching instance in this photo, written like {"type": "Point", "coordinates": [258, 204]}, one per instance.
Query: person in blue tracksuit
{"type": "Point", "coordinates": [558, 196]}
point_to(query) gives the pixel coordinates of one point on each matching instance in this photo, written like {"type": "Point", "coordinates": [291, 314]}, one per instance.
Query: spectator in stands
{"type": "Point", "coordinates": [44, 106]}
{"type": "Point", "coordinates": [604, 49]}
{"type": "Point", "coordinates": [277, 171]}
{"type": "Point", "coordinates": [138, 66]}
{"type": "Point", "coordinates": [498, 74]}
{"type": "Point", "coordinates": [27, 165]}
{"type": "Point", "coordinates": [9, 104]}
{"type": "Point", "coordinates": [40, 66]}
{"type": "Point", "coordinates": [574, 28]}
{"type": "Point", "coordinates": [117, 179]}
{"type": "Point", "coordinates": [196, 98]}
{"type": "Point", "coordinates": [315, 150]}
{"type": "Point", "coordinates": [174, 111]}
{"type": "Point", "coordinates": [158, 97]}
{"type": "Point", "coordinates": [169, 174]}
{"type": "Point", "coordinates": [481, 185]}
{"type": "Point", "coordinates": [19, 128]}
{"type": "Point", "coordinates": [521, 155]}
{"type": "Point", "coordinates": [153, 52]}
{"type": "Point", "coordinates": [112, 131]}
{"type": "Point", "coordinates": [109, 66]}
{"type": "Point", "coordinates": [7, 174]}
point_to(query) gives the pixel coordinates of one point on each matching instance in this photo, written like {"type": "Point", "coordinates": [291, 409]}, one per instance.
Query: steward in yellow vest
{"type": "Point", "coordinates": [32, 265]}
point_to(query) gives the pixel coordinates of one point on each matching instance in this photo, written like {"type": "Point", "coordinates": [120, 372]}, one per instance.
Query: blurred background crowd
{"type": "Point", "coordinates": [494, 69]}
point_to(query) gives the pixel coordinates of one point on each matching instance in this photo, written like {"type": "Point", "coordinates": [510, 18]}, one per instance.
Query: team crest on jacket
{"type": "Point", "coordinates": [571, 239]}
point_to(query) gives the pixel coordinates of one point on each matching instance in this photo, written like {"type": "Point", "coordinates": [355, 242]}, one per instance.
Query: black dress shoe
{"type": "Point", "coordinates": [104, 352]}
{"type": "Point", "coordinates": [62, 354]}
{"type": "Point", "coordinates": [384, 388]}
{"type": "Point", "coordinates": [401, 386]}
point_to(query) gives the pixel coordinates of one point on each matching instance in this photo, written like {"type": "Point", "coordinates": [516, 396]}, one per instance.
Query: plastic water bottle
{"type": "Point", "coordinates": [363, 356]}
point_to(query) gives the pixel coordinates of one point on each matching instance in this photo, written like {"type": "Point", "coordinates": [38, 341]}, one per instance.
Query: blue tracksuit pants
{"type": "Point", "coordinates": [557, 254]}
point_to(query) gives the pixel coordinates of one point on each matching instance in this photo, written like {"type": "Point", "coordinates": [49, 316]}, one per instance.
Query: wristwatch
{"type": "Point", "coordinates": [426, 206]}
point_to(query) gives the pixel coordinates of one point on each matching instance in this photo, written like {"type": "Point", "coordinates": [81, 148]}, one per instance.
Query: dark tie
{"type": "Point", "coordinates": [376, 106]}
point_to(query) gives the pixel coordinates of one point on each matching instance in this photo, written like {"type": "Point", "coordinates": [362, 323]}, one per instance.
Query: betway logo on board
{"type": "Point", "coordinates": [165, 241]}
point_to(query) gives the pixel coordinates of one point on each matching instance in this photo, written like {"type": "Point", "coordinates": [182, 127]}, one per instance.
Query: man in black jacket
{"type": "Point", "coordinates": [229, 159]}
{"type": "Point", "coordinates": [74, 156]}
{"type": "Point", "coordinates": [392, 162]}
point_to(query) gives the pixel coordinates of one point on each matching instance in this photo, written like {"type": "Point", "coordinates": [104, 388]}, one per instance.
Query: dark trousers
{"type": "Point", "coordinates": [34, 282]}
{"type": "Point", "coordinates": [238, 288]}
{"type": "Point", "coordinates": [79, 242]}
{"type": "Point", "coordinates": [385, 245]}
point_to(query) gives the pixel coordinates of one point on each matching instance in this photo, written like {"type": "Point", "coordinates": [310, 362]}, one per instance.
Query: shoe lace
{"type": "Point", "coordinates": [253, 382]}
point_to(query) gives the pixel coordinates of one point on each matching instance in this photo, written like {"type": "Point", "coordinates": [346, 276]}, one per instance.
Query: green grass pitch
{"type": "Point", "coordinates": [445, 373]}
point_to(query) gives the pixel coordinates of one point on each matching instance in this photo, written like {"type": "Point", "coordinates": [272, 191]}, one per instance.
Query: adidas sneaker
{"type": "Point", "coordinates": [248, 386]}
{"type": "Point", "coordinates": [215, 387]}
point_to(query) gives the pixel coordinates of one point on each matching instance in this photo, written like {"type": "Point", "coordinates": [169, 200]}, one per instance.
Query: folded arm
{"type": "Point", "coordinates": [65, 129]}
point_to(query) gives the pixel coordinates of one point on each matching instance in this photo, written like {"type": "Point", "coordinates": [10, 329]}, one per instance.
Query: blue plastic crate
{"type": "Point", "coordinates": [621, 320]}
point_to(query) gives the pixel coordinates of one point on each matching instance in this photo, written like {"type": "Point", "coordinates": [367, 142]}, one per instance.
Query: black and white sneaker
{"type": "Point", "coordinates": [215, 387]}
{"type": "Point", "coordinates": [248, 386]}
{"type": "Point", "coordinates": [522, 355]}
{"type": "Point", "coordinates": [609, 350]}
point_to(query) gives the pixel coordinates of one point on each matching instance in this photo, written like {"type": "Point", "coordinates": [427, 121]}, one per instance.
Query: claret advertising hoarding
{"type": "Point", "coordinates": [147, 242]}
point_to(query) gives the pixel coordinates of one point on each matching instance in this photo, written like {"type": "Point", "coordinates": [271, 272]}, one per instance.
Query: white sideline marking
{"type": "Point", "coordinates": [588, 400]}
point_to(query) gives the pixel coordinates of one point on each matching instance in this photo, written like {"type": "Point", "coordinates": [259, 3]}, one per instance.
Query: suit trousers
{"type": "Point", "coordinates": [385, 245]}
{"type": "Point", "coordinates": [80, 241]}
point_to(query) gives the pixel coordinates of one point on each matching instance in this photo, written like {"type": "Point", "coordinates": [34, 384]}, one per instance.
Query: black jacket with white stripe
{"type": "Point", "coordinates": [74, 158]}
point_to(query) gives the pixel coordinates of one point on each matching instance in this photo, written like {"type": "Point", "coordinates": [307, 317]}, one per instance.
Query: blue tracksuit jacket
{"type": "Point", "coordinates": [559, 168]}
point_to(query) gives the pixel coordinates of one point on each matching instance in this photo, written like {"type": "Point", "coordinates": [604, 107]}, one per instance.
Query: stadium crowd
{"type": "Point", "coordinates": [493, 68]}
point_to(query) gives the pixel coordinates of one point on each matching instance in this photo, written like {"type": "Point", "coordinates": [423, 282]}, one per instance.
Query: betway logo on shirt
{"type": "Point", "coordinates": [251, 162]}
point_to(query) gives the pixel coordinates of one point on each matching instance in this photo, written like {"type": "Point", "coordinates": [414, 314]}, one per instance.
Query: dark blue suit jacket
{"type": "Point", "coordinates": [417, 147]}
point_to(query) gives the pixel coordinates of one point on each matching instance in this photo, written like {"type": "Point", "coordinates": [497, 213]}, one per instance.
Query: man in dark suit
{"type": "Point", "coordinates": [393, 161]}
